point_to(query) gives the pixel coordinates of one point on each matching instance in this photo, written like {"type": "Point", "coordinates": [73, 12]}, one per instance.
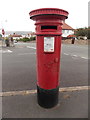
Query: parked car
{"type": "Point", "coordinates": [15, 41]}
{"type": "Point", "coordinates": [82, 37]}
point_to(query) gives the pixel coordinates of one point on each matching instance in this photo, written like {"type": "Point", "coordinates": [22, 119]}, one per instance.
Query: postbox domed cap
{"type": "Point", "coordinates": [62, 14]}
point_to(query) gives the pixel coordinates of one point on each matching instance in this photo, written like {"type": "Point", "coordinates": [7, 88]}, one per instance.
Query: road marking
{"type": "Point", "coordinates": [31, 47]}
{"type": "Point", "coordinates": [66, 54]}
{"type": "Point", "coordinates": [74, 55]}
{"type": "Point", "coordinates": [26, 53]}
{"type": "Point", "coordinates": [28, 92]}
{"type": "Point", "coordinates": [6, 51]}
{"type": "Point", "coordinates": [10, 51]}
{"type": "Point", "coordinates": [84, 57]}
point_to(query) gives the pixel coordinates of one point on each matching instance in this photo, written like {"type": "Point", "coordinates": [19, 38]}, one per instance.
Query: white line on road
{"type": "Point", "coordinates": [66, 54]}
{"type": "Point", "coordinates": [26, 92]}
{"type": "Point", "coordinates": [74, 55]}
{"type": "Point", "coordinates": [6, 51]}
{"type": "Point", "coordinates": [31, 47]}
{"type": "Point", "coordinates": [10, 51]}
{"type": "Point", "coordinates": [84, 57]}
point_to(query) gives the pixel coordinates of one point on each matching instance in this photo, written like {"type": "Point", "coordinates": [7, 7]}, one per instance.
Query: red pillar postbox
{"type": "Point", "coordinates": [48, 23]}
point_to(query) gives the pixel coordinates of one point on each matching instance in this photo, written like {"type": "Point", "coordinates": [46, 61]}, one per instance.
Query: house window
{"type": "Point", "coordinates": [63, 31]}
{"type": "Point", "coordinates": [67, 31]}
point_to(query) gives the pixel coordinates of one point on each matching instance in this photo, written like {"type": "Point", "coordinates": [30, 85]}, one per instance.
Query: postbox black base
{"type": "Point", "coordinates": [47, 98]}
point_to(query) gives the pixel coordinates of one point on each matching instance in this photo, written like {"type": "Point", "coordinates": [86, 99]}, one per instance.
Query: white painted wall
{"type": "Point", "coordinates": [16, 38]}
{"type": "Point", "coordinates": [65, 33]}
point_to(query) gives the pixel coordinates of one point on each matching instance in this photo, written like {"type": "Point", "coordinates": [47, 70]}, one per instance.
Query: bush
{"type": "Point", "coordinates": [24, 39]}
{"type": "Point", "coordinates": [88, 34]}
{"type": "Point", "coordinates": [27, 39]}
{"type": "Point", "coordinates": [83, 32]}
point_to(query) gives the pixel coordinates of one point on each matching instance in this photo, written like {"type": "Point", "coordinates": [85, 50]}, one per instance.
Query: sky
{"type": "Point", "coordinates": [14, 14]}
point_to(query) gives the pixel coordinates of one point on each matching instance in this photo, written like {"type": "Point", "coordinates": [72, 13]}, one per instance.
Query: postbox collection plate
{"type": "Point", "coordinates": [49, 44]}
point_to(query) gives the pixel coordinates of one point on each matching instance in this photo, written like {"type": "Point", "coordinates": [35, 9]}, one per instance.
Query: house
{"type": "Point", "coordinates": [66, 30]}
{"type": "Point", "coordinates": [32, 34]}
{"type": "Point", "coordinates": [16, 36]}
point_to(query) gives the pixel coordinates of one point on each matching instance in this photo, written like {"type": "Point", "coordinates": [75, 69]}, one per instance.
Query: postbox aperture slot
{"type": "Point", "coordinates": [48, 27]}
{"type": "Point", "coordinates": [49, 44]}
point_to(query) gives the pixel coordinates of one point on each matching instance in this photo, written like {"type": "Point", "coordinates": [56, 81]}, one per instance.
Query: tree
{"type": "Point", "coordinates": [83, 32]}
{"type": "Point", "coordinates": [89, 33]}
{"type": "Point", "coordinates": [0, 35]}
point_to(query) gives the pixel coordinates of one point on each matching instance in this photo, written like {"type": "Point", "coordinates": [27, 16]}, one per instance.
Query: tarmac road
{"type": "Point", "coordinates": [19, 66]}
{"type": "Point", "coordinates": [19, 74]}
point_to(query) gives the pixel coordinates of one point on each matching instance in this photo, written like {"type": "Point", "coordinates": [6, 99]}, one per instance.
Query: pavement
{"type": "Point", "coordinates": [71, 105]}
{"type": "Point", "coordinates": [19, 74]}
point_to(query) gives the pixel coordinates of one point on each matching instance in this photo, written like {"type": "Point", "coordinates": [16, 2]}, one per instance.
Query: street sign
{"type": "Point", "coordinates": [3, 32]}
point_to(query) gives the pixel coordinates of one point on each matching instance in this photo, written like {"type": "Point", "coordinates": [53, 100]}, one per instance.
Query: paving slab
{"type": "Point", "coordinates": [71, 105]}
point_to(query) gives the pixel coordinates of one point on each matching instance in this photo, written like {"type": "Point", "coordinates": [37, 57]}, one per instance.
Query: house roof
{"type": "Point", "coordinates": [15, 35]}
{"type": "Point", "coordinates": [66, 27]}
{"type": "Point", "coordinates": [71, 36]}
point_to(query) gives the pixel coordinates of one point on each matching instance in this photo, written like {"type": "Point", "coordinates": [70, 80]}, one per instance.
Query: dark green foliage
{"type": "Point", "coordinates": [83, 32]}
{"type": "Point", "coordinates": [27, 39]}
{"type": "Point", "coordinates": [0, 35]}
{"type": "Point", "coordinates": [89, 33]}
